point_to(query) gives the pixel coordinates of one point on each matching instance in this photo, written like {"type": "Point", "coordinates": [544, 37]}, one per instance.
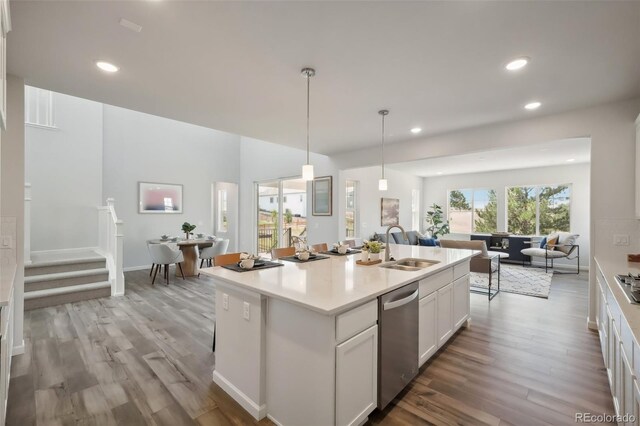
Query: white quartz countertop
{"type": "Point", "coordinates": [7, 277]}
{"type": "Point", "coordinates": [631, 312]}
{"type": "Point", "coordinates": [333, 285]}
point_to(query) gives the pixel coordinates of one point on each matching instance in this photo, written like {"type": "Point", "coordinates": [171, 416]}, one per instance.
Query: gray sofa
{"type": "Point", "coordinates": [412, 238]}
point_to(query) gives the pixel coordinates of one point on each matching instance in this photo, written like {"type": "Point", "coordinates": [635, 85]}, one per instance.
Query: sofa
{"type": "Point", "coordinates": [414, 238]}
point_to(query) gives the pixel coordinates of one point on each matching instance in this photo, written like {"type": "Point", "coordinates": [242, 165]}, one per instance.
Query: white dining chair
{"type": "Point", "coordinates": [163, 254]}
{"type": "Point", "coordinates": [208, 253]}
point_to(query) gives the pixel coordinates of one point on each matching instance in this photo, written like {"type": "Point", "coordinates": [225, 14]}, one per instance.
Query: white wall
{"type": "Point", "coordinates": [64, 167]}
{"type": "Point", "coordinates": [436, 190]}
{"type": "Point", "coordinates": [265, 161]}
{"type": "Point", "coordinates": [400, 185]}
{"type": "Point", "coordinates": [142, 147]}
{"type": "Point", "coordinates": [12, 189]}
{"type": "Point", "coordinates": [612, 131]}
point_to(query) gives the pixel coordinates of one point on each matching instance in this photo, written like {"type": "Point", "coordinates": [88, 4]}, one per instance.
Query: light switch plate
{"type": "Point", "coordinates": [225, 301]}
{"type": "Point", "coordinates": [621, 240]}
{"type": "Point", "coordinates": [246, 311]}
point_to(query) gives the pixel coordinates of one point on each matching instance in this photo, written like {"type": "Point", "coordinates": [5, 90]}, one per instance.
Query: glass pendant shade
{"type": "Point", "coordinates": [307, 172]}
{"type": "Point", "coordinates": [382, 184]}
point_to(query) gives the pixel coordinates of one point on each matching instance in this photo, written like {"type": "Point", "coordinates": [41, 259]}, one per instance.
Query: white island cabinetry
{"type": "Point", "coordinates": [299, 343]}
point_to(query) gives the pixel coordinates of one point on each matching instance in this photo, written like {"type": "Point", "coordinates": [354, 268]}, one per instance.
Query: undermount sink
{"type": "Point", "coordinates": [410, 264]}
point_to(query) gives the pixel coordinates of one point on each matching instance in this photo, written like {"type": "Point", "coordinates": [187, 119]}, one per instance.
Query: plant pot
{"type": "Point", "coordinates": [364, 256]}
{"type": "Point", "coordinates": [374, 256]}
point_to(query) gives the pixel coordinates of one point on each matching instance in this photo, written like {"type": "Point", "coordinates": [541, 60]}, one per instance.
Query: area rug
{"type": "Point", "coordinates": [517, 279]}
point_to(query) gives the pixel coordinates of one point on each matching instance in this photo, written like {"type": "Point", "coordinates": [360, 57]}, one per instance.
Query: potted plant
{"type": "Point", "coordinates": [374, 250]}
{"type": "Point", "coordinates": [364, 256]}
{"type": "Point", "coordinates": [436, 225]}
{"type": "Point", "coordinates": [188, 228]}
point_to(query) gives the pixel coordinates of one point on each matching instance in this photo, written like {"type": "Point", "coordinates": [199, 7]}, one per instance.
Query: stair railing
{"type": "Point", "coordinates": [110, 245]}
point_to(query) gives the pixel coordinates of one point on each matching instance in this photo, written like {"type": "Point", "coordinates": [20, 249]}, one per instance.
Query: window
{"type": "Point", "coordinates": [538, 210]}
{"type": "Point", "coordinates": [473, 210]}
{"type": "Point", "coordinates": [415, 210]}
{"type": "Point", "coordinates": [38, 107]}
{"type": "Point", "coordinates": [351, 210]}
{"type": "Point", "coordinates": [223, 224]}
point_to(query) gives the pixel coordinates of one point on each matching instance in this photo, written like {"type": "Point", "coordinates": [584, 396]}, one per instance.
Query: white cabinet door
{"type": "Point", "coordinates": [636, 403]}
{"type": "Point", "coordinates": [357, 377]}
{"type": "Point", "coordinates": [615, 360]}
{"type": "Point", "coordinates": [627, 380]}
{"type": "Point", "coordinates": [638, 167]}
{"type": "Point", "coordinates": [461, 297]}
{"type": "Point", "coordinates": [445, 314]}
{"type": "Point", "coordinates": [427, 327]}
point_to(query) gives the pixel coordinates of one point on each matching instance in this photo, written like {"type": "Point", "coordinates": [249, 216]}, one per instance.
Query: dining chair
{"type": "Point", "coordinates": [320, 247]}
{"type": "Point", "coordinates": [163, 254]}
{"type": "Point", "coordinates": [354, 242]}
{"type": "Point", "coordinates": [153, 265]}
{"type": "Point", "coordinates": [226, 259]}
{"type": "Point", "coordinates": [208, 253]}
{"type": "Point", "coordinates": [277, 253]}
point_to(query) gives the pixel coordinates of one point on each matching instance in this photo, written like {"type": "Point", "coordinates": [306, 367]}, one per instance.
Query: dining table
{"type": "Point", "coordinates": [189, 248]}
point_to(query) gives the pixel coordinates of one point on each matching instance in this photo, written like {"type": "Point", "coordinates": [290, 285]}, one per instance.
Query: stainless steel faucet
{"type": "Point", "coordinates": [387, 250]}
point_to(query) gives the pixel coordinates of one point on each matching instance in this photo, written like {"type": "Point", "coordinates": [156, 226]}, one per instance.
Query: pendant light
{"type": "Point", "coordinates": [382, 183]}
{"type": "Point", "coordinates": [307, 169]}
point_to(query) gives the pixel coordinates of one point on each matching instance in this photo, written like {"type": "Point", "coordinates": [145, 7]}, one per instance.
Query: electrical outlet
{"type": "Point", "coordinates": [621, 240]}
{"type": "Point", "coordinates": [246, 311]}
{"type": "Point", "coordinates": [225, 301]}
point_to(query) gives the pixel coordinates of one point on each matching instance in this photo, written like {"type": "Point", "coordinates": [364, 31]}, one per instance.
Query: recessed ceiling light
{"type": "Point", "coordinates": [106, 66]}
{"type": "Point", "coordinates": [416, 130]}
{"type": "Point", "coordinates": [571, 160]}
{"type": "Point", "coordinates": [517, 64]}
{"type": "Point", "coordinates": [439, 173]}
{"type": "Point", "coordinates": [532, 105]}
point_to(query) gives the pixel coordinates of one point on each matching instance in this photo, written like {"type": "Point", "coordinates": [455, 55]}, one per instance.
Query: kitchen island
{"type": "Point", "coordinates": [299, 343]}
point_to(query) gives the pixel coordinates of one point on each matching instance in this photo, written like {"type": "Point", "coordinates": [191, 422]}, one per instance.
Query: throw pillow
{"type": "Point", "coordinates": [551, 242]}
{"type": "Point", "coordinates": [428, 242]}
{"type": "Point", "coordinates": [543, 242]}
{"type": "Point", "coordinates": [566, 239]}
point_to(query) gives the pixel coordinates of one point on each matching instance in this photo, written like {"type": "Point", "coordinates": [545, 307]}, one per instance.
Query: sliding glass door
{"type": "Point", "coordinates": [282, 213]}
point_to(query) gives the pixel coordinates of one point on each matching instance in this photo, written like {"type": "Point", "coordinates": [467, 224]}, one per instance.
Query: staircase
{"type": "Point", "coordinates": [57, 278]}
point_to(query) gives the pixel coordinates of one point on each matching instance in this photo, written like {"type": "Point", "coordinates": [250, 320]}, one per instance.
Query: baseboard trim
{"type": "Point", "coordinates": [270, 417]}
{"type": "Point", "coordinates": [563, 267]}
{"type": "Point", "coordinates": [18, 350]}
{"type": "Point", "coordinates": [592, 325]}
{"type": "Point", "coordinates": [136, 268]}
{"type": "Point", "coordinates": [259, 412]}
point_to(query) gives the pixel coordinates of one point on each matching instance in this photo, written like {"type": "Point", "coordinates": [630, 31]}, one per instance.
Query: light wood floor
{"type": "Point", "coordinates": [146, 358]}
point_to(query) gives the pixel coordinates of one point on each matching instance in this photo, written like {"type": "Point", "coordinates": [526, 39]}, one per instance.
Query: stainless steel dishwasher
{"type": "Point", "coordinates": [398, 347]}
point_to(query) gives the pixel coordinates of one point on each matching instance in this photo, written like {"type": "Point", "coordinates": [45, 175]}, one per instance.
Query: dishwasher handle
{"type": "Point", "coordinates": [400, 302]}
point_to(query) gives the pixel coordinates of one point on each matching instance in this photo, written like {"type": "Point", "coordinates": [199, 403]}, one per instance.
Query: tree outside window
{"type": "Point", "coordinates": [538, 210]}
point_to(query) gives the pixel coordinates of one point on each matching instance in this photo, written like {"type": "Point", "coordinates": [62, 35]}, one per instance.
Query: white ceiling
{"type": "Point", "coordinates": [235, 66]}
{"type": "Point", "coordinates": [553, 153]}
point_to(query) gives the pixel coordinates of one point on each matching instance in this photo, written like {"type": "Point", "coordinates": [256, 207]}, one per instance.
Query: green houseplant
{"type": "Point", "coordinates": [436, 225]}
{"type": "Point", "coordinates": [374, 250]}
{"type": "Point", "coordinates": [188, 228]}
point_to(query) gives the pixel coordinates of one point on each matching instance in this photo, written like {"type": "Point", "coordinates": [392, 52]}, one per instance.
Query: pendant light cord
{"type": "Point", "coordinates": [308, 83]}
{"type": "Point", "coordinates": [383, 146]}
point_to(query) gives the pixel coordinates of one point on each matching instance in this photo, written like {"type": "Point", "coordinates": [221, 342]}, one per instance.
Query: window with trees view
{"type": "Point", "coordinates": [473, 210]}
{"type": "Point", "coordinates": [351, 208]}
{"type": "Point", "coordinates": [538, 210]}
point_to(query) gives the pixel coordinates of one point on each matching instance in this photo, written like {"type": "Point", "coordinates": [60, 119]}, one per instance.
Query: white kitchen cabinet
{"type": "Point", "coordinates": [445, 314]}
{"type": "Point", "coordinates": [638, 167]}
{"type": "Point", "coordinates": [461, 297]}
{"type": "Point", "coordinates": [616, 357]}
{"type": "Point", "coordinates": [427, 328]}
{"type": "Point", "coordinates": [5, 27]}
{"type": "Point", "coordinates": [357, 377]}
{"type": "Point", "coordinates": [6, 347]}
{"type": "Point", "coordinates": [627, 379]}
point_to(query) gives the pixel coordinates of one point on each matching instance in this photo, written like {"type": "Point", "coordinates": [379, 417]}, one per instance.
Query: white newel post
{"type": "Point", "coordinates": [27, 224]}
{"type": "Point", "coordinates": [111, 243]}
{"type": "Point", "coordinates": [118, 288]}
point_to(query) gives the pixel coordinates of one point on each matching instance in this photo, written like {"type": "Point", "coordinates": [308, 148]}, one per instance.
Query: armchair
{"type": "Point", "coordinates": [556, 246]}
